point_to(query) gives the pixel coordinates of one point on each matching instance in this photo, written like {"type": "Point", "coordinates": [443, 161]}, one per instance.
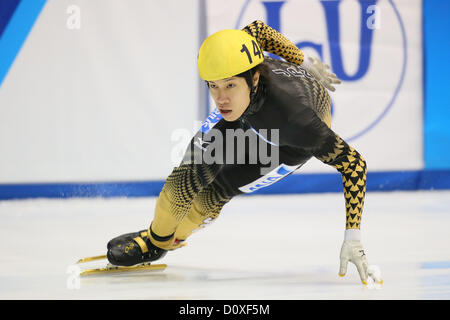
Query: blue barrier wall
{"type": "Point", "coordinates": [437, 84]}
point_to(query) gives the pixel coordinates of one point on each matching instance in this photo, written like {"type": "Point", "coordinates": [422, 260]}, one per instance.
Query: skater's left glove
{"type": "Point", "coordinates": [321, 72]}
{"type": "Point", "coordinates": [352, 251]}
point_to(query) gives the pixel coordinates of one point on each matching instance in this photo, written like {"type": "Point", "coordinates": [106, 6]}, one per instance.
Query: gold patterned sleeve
{"type": "Point", "coordinates": [272, 41]}
{"type": "Point", "coordinates": [352, 166]}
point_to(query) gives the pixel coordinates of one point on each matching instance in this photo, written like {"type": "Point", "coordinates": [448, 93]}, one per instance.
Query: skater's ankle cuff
{"type": "Point", "coordinates": [159, 238]}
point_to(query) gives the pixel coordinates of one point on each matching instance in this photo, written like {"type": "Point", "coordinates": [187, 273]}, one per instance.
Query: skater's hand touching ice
{"type": "Point", "coordinates": [352, 251]}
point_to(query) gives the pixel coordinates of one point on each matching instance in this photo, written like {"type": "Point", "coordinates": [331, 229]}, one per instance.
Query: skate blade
{"type": "Point", "coordinates": [116, 269]}
{"type": "Point", "coordinates": [88, 259]}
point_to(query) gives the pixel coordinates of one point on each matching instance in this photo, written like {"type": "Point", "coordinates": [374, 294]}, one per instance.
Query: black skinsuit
{"type": "Point", "coordinates": [288, 102]}
{"type": "Point", "coordinates": [288, 99]}
{"type": "Point", "coordinates": [298, 107]}
{"type": "Point", "coordinates": [295, 106]}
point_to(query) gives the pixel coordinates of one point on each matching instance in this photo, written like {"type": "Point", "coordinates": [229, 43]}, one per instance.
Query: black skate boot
{"type": "Point", "coordinates": [125, 237]}
{"type": "Point", "coordinates": [133, 248]}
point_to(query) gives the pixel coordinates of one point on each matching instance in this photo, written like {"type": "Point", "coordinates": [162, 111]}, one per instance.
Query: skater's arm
{"type": "Point", "coordinates": [272, 41]}
{"type": "Point", "coordinates": [352, 166]}
{"type": "Point", "coordinates": [334, 151]}
{"type": "Point", "coordinates": [308, 132]}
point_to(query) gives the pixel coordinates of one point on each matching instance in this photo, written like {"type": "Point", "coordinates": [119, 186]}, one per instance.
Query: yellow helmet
{"type": "Point", "coordinates": [227, 53]}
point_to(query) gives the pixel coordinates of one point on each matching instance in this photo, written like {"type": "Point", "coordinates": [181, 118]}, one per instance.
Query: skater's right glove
{"type": "Point", "coordinates": [321, 72]}
{"type": "Point", "coordinates": [352, 251]}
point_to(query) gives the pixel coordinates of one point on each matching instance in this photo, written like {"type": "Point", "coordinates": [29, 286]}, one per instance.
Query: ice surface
{"type": "Point", "coordinates": [261, 247]}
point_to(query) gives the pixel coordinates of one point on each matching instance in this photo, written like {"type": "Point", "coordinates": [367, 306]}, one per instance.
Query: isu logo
{"type": "Point", "coordinates": [367, 52]}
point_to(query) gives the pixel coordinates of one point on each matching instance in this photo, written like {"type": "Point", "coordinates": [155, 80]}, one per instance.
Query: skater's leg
{"type": "Point", "coordinates": [172, 205]}
{"type": "Point", "coordinates": [205, 208]}
{"type": "Point", "coordinates": [175, 201]}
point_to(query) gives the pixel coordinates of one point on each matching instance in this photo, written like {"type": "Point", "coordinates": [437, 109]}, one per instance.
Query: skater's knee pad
{"type": "Point", "coordinates": [194, 221]}
{"type": "Point", "coordinates": [205, 208]}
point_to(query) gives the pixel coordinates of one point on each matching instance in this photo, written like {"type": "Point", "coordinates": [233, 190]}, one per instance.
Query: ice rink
{"type": "Point", "coordinates": [261, 247]}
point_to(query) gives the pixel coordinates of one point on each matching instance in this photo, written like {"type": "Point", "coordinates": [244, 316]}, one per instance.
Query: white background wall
{"type": "Point", "coordinates": [99, 103]}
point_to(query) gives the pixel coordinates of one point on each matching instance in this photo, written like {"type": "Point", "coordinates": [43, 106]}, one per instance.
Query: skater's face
{"type": "Point", "coordinates": [231, 96]}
